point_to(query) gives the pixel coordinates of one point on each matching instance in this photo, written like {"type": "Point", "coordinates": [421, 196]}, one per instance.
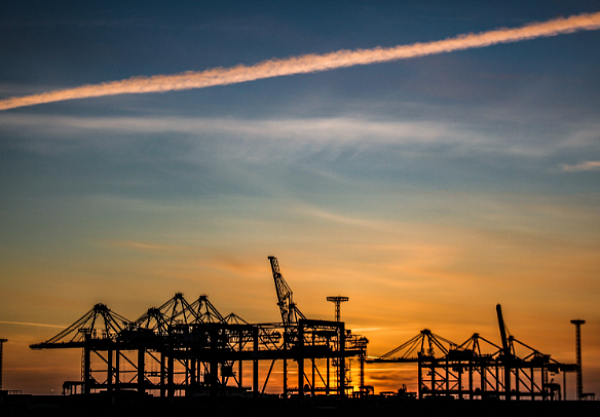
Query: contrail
{"type": "Point", "coordinates": [308, 63]}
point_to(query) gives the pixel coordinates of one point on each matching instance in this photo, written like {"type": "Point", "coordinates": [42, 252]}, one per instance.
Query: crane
{"type": "Point", "coordinates": [506, 353]}
{"type": "Point", "coordinates": [289, 311]}
{"type": "Point", "coordinates": [505, 346]}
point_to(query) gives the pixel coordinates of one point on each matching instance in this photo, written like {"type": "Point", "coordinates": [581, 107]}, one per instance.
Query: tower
{"type": "Point", "coordinates": [339, 364]}
{"type": "Point", "coordinates": [337, 300]}
{"type": "Point", "coordinates": [578, 324]}
{"type": "Point", "coordinates": [1, 343]}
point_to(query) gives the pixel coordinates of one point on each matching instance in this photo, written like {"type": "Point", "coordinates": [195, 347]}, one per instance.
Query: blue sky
{"type": "Point", "coordinates": [427, 190]}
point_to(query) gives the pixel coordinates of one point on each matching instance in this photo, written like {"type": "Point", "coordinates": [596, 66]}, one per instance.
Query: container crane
{"type": "Point", "coordinates": [507, 354]}
{"type": "Point", "coordinates": [289, 311]}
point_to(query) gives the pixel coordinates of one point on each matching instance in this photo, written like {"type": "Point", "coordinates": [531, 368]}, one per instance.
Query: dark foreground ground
{"type": "Point", "coordinates": [380, 407]}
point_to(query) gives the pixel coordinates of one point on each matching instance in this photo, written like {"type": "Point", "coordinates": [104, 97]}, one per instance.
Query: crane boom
{"type": "Point", "coordinates": [287, 307]}
{"type": "Point", "coordinates": [505, 348]}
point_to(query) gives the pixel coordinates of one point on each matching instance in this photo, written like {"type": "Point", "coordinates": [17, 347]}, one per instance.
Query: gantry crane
{"type": "Point", "coordinates": [289, 311]}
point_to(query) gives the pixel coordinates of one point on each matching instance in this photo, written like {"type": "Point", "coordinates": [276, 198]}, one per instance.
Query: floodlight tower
{"type": "Point", "coordinates": [337, 300]}
{"type": "Point", "coordinates": [1, 343]}
{"type": "Point", "coordinates": [339, 364]}
{"type": "Point", "coordinates": [578, 324]}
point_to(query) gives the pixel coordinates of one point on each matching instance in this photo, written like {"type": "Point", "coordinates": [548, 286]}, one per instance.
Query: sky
{"type": "Point", "coordinates": [427, 190]}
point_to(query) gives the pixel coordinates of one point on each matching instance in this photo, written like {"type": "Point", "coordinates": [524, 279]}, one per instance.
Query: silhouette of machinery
{"type": "Point", "coordinates": [183, 348]}
{"type": "Point", "coordinates": [465, 372]}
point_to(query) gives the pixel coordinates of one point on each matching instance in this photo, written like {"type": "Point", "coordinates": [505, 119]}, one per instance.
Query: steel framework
{"type": "Point", "coordinates": [1, 343]}
{"type": "Point", "coordinates": [465, 371]}
{"type": "Point", "coordinates": [578, 324]}
{"type": "Point", "coordinates": [191, 349]}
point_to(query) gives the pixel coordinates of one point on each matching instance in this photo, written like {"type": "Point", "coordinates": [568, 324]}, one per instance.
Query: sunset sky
{"type": "Point", "coordinates": [427, 190]}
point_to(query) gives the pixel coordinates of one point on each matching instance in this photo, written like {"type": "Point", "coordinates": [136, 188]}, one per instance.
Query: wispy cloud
{"type": "Point", "coordinates": [317, 213]}
{"type": "Point", "coordinates": [228, 262]}
{"type": "Point", "coordinates": [140, 246]}
{"type": "Point", "coordinates": [23, 323]}
{"type": "Point", "coordinates": [360, 132]}
{"type": "Point", "coordinates": [308, 63]}
{"type": "Point", "coordinates": [336, 130]}
{"type": "Point", "coordinates": [346, 129]}
{"type": "Point", "coordinates": [584, 166]}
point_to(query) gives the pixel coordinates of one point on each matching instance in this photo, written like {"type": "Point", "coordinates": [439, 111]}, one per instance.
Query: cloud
{"type": "Point", "coordinates": [351, 137]}
{"type": "Point", "coordinates": [340, 129]}
{"type": "Point", "coordinates": [308, 63]}
{"type": "Point", "coordinates": [584, 166]}
{"type": "Point", "coordinates": [139, 246]}
{"type": "Point", "coordinates": [328, 216]}
{"type": "Point", "coordinates": [23, 323]}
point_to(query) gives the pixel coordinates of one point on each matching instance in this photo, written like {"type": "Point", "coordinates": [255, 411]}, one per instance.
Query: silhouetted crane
{"type": "Point", "coordinates": [287, 307]}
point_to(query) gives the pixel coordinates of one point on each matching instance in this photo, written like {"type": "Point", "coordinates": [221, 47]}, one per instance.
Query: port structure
{"type": "Point", "coordinates": [580, 394]}
{"type": "Point", "coordinates": [338, 300]}
{"type": "Point", "coordinates": [342, 369]}
{"type": "Point", "coordinates": [466, 371]}
{"type": "Point", "coordinates": [2, 341]}
{"type": "Point", "coordinates": [190, 349]}
{"type": "Point", "coordinates": [578, 324]}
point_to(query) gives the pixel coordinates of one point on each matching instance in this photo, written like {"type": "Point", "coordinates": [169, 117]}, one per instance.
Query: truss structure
{"type": "Point", "coordinates": [466, 371]}
{"type": "Point", "coordinates": [190, 349]}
